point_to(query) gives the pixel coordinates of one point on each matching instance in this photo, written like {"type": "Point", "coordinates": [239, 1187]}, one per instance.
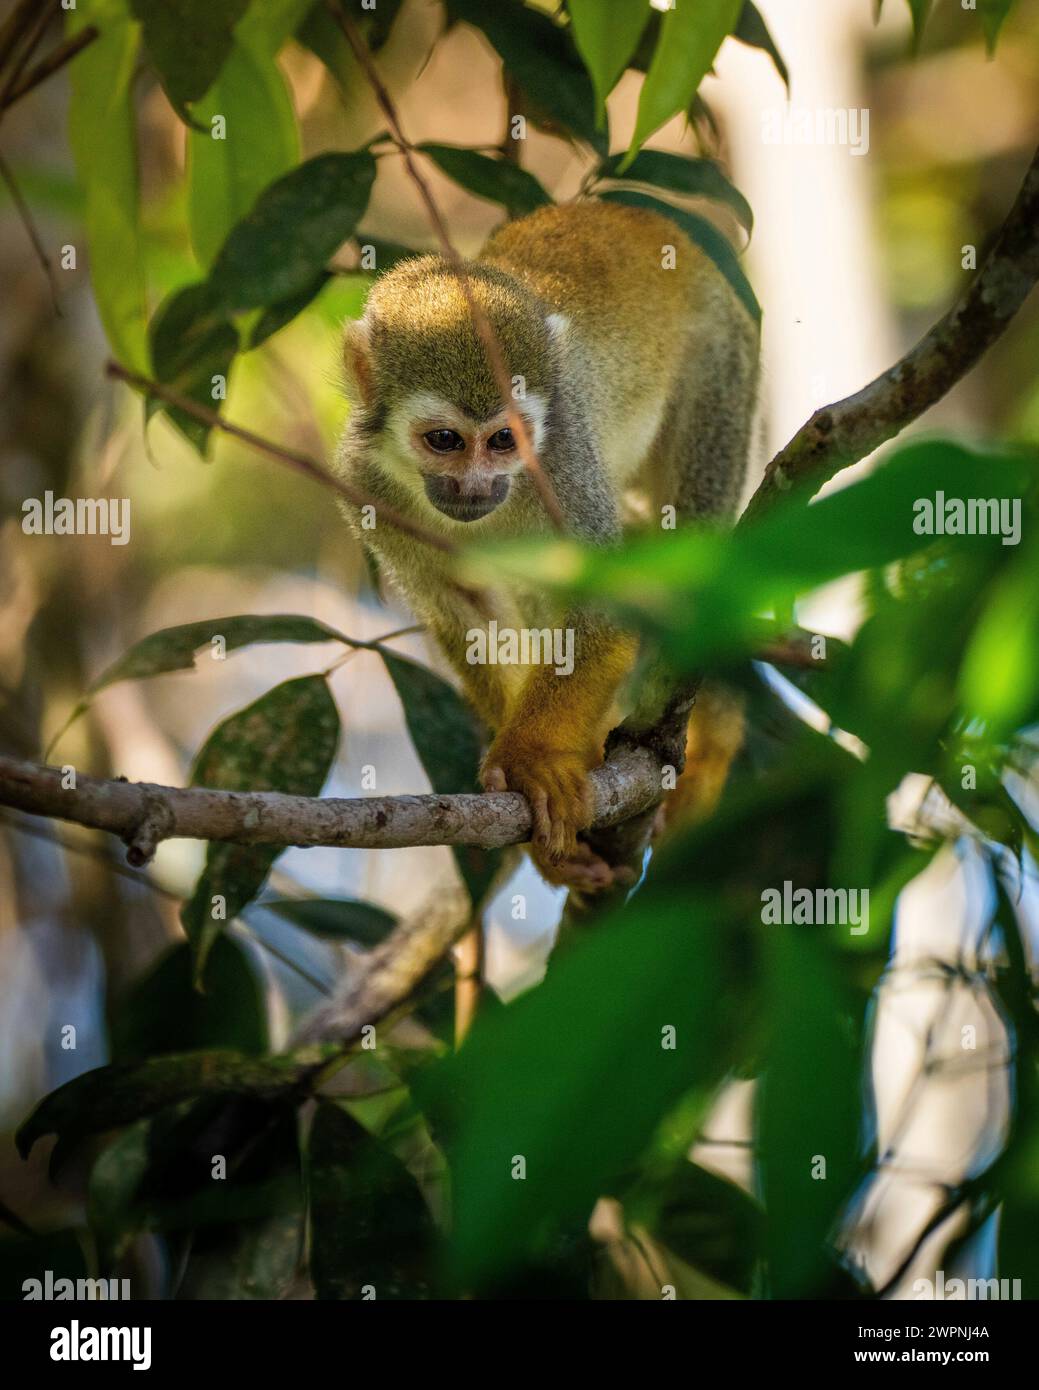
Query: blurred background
{"type": "Point", "coordinates": [852, 259]}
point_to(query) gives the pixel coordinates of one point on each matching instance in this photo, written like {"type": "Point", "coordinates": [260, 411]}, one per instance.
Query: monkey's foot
{"type": "Point", "coordinates": [554, 781]}
{"type": "Point", "coordinates": [583, 871]}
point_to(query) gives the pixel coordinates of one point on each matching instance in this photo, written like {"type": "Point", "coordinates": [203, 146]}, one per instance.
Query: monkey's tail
{"type": "Point", "coordinates": [717, 729]}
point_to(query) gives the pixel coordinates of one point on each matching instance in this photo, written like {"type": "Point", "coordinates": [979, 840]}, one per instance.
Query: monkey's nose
{"type": "Point", "coordinates": [465, 498]}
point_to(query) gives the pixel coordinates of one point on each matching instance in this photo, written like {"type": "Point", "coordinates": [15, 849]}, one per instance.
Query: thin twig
{"type": "Point", "coordinates": [302, 463]}
{"type": "Point", "coordinates": [31, 231]}
{"type": "Point", "coordinates": [54, 61]}
{"type": "Point", "coordinates": [481, 323]}
{"type": "Point", "coordinates": [36, 33]}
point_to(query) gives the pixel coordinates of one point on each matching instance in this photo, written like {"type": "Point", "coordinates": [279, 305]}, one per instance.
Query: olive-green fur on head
{"type": "Point", "coordinates": [420, 335]}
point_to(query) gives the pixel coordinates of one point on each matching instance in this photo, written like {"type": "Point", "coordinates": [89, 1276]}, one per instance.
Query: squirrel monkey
{"type": "Point", "coordinates": [634, 366]}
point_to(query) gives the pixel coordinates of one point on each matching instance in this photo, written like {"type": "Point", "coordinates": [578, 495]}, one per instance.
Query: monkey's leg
{"type": "Point", "coordinates": [553, 737]}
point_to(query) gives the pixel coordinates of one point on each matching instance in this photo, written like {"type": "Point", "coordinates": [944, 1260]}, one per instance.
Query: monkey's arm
{"type": "Point", "coordinates": [553, 736]}
{"type": "Point", "coordinates": [554, 730]}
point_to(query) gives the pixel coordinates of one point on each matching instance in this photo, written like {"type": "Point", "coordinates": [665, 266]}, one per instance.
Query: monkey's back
{"type": "Point", "coordinates": [633, 306]}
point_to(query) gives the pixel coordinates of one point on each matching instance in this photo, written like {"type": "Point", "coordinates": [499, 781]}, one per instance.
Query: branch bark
{"type": "Point", "coordinates": [841, 434]}
{"type": "Point", "coordinates": [143, 814]}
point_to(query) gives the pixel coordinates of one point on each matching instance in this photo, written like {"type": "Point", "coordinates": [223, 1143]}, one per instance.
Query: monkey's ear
{"type": "Point", "coordinates": [359, 380]}
{"type": "Point", "coordinates": [558, 326]}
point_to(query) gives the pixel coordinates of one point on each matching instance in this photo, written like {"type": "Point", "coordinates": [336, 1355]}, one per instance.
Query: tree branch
{"type": "Point", "coordinates": [841, 434]}
{"type": "Point", "coordinates": [143, 814]}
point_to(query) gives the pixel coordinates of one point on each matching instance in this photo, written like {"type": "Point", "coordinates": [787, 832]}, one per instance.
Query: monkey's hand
{"type": "Point", "coordinates": [554, 781]}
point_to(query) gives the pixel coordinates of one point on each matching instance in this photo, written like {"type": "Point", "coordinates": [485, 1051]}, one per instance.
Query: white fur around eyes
{"type": "Point", "coordinates": [424, 405]}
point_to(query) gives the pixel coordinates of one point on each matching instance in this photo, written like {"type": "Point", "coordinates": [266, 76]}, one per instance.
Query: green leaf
{"type": "Point", "coordinates": [370, 1224]}
{"type": "Point", "coordinates": [113, 1096]}
{"type": "Point", "coordinates": [164, 1013]}
{"type": "Point", "coordinates": [702, 593]}
{"type": "Point", "coordinates": [285, 742]}
{"type": "Point", "coordinates": [297, 224]}
{"type": "Point", "coordinates": [920, 9]}
{"type": "Point", "coordinates": [708, 1222]}
{"type": "Point", "coordinates": [993, 13]}
{"type": "Point", "coordinates": [259, 143]}
{"type": "Point", "coordinates": [540, 57]}
{"type": "Point", "coordinates": [174, 648]}
{"type": "Point", "coordinates": [753, 31]}
{"type": "Point", "coordinates": [690, 36]}
{"type": "Point", "coordinates": [999, 682]}
{"type": "Point", "coordinates": [385, 254]}
{"type": "Point", "coordinates": [104, 144]}
{"type": "Point", "coordinates": [188, 42]}
{"type": "Point", "coordinates": [700, 178]}
{"type": "Point", "coordinates": [192, 343]}
{"type": "Point", "coordinates": [703, 234]}
{"type": "Point", "coordinates": [268, 23]}
{"type": "Point", "coordinates": [808, 1112]}
{"type": "Point", "coordinates": [529, 1071]}
{"type": "Point", "coordinates": [448, 744]}
{"type": "Point", "coordinates": [607, 37]}
{"type": "Point", "coordinates": [319, 32]}
{"type": "Point", "coordinates": [498, 180]}
{"type": "Point", "coordinates": [337, 919]}
{"type": "Point", "coordinates": [273, 319]}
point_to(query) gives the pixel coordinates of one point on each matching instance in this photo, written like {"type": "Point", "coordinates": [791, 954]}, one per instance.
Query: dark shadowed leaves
{"type": "Point", "coordinates": [447, 740]}
{"type": "Point", "coordinates": [165, 1013]}
{"type": "Point", "coordinates": [113, 1096]}
{"type": "Point", "coordinates": [285, 742]}
{"type": "Point", "coordinates": [701, 178]}
{"type": "Point", "coordinates": [540, 56]}
{"type": "Point", "coordinates": [188, 42]}
{"type": "Point", "coordinates": [337, 919]}
{"type": "Point", "coordinates": [753, 31]}
{"type": "Point", "coordinates": [511, 1095]}
{"type": "Point", "coordinates": [497, 180]}
{"type": "Point", "coordinates": [370, 1224]}
{"type": "Point", "coordinates": [809, 1110]}
{"type": "Point", "coordinates": [296, 225]}
{"type": "Point", "coordinates": [192, 342]}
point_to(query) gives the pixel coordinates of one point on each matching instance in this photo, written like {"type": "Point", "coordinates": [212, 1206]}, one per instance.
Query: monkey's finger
{"type": "Point", "coordinates": [541, 828]}
{"type": "Point", "coordinates": [494, 780]}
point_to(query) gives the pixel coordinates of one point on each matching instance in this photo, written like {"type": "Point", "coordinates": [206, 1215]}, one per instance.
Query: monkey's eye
{"type": "Point", "coordinates": [444, 441]}
{"type": "Point", "coordinates": [501, 441]}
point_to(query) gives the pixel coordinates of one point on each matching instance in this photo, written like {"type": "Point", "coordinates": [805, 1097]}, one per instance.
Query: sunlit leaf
{"type": "Point", "coordinates": [690, 37]}
{"type": "Point", "coordinates": [606, 37]}
{"type": "Point", "coordinates": [258, 142]}
{"type": "Point", "coordinates": [104, 143]}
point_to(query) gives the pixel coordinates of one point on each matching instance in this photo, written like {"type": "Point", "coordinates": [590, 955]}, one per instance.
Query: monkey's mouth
{"type": "Point", "coordinates": [446, 495]}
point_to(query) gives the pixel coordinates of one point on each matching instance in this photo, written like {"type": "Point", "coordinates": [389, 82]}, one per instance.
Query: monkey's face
{"type": "Point", "coordinates": [465, 466]}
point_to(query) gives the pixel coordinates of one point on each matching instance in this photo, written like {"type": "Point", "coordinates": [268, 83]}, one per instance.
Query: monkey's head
{"type": "Point", "coordinates": [425, 396]}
